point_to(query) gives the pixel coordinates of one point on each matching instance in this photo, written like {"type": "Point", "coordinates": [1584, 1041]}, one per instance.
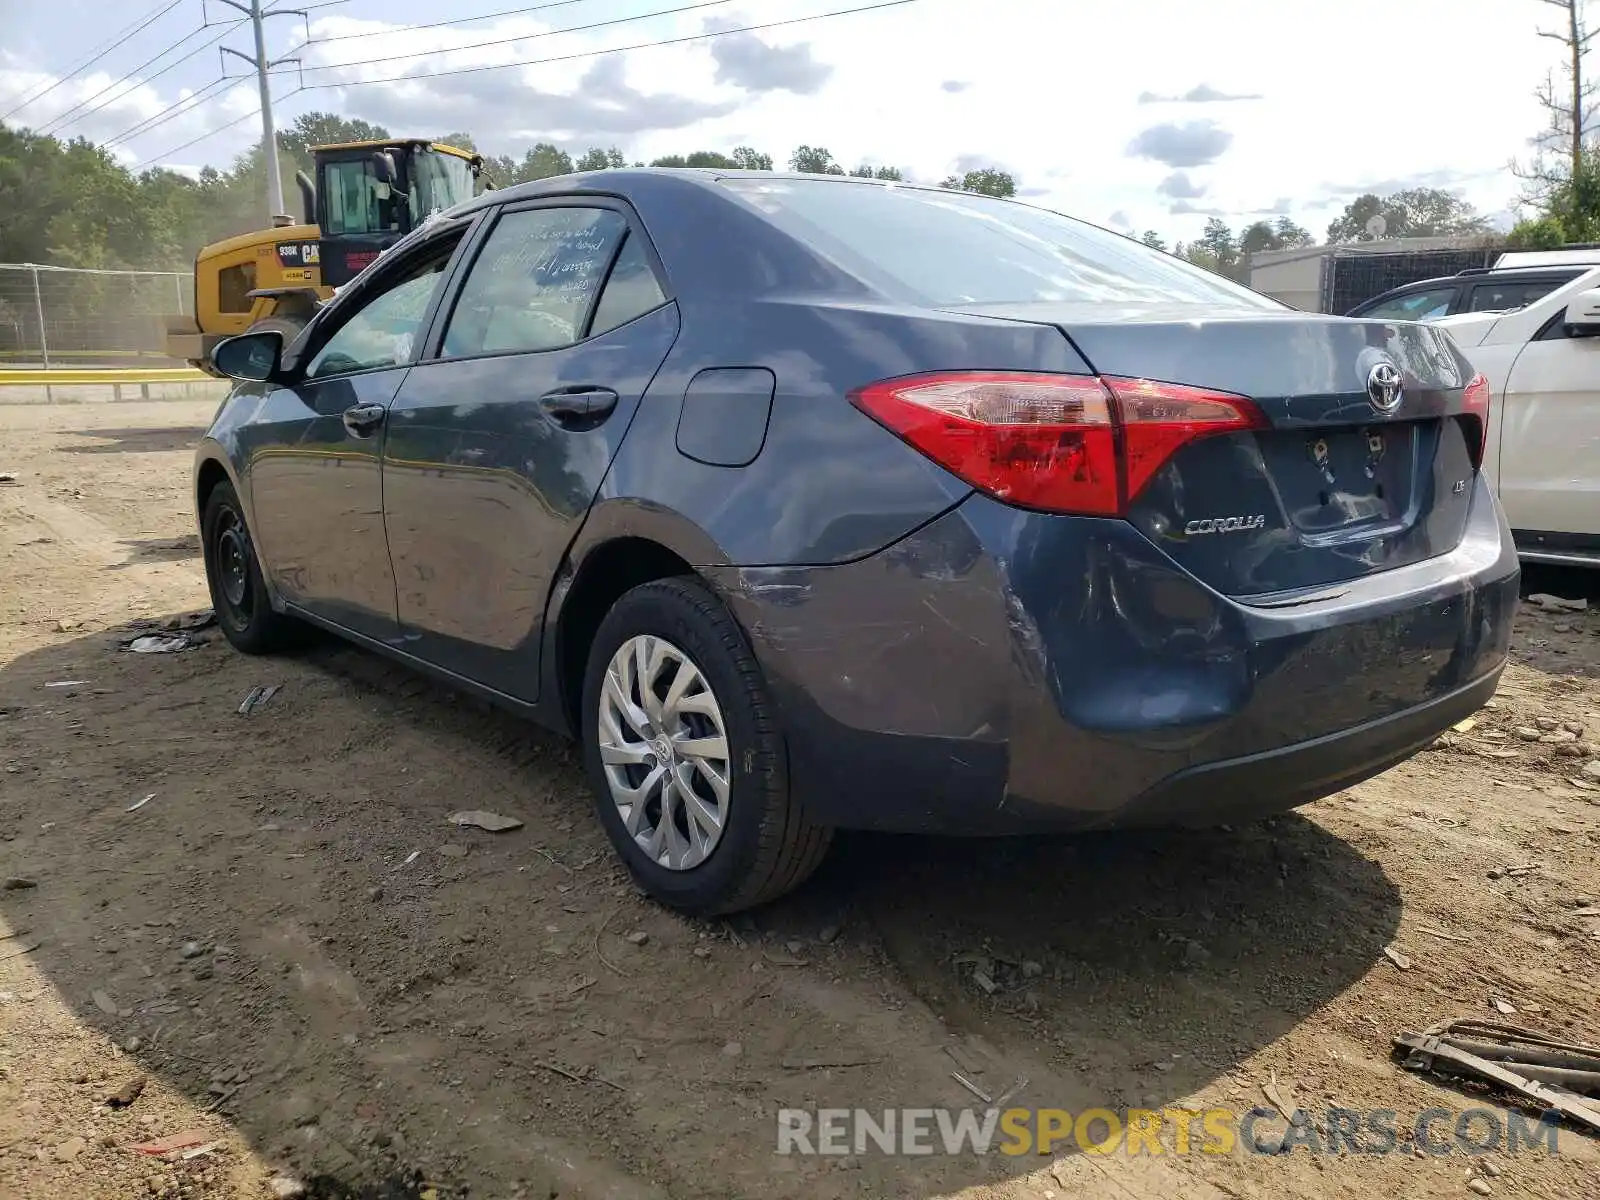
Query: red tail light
{"type": "Point", "coordinates": [1475, 404]}
{"type": "Point", "coordinates": [1061, 443]}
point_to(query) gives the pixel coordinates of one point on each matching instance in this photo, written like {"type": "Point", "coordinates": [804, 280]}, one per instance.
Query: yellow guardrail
{"type": "Point", "coordinates": [110, 376]}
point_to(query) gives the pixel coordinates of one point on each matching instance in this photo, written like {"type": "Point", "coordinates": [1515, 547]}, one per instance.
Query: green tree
{"type": "Point", "coordinates": [329, 129]}
{"type": "Point", "coordinates": [814, 160]}
{"type": "Point", "coordinates": [989, 182]}
{"type": "Point", "coordinates": [461, 141]}
{"type": "Point", "coordinates": [1414, 212]}
{"type": "Point", "coordinates": [746, 158]}
{"type": "Point", "coordinates": [596, 159]}
{"type": "Point", "coordinates": [1154, 240]}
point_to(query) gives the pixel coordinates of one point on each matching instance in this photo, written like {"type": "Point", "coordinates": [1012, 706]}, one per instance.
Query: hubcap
{"type": "Point", "coordinates": [665, 752]}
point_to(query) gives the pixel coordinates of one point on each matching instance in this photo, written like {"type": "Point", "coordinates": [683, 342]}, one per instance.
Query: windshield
{"type": "Point", "coordinates": [960, 248]}
{"type": "Point", "coordinates": [438, 181]}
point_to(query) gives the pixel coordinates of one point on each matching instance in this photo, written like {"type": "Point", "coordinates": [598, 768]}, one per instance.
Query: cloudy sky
{"type": "Point", "coordinates": [1140, 114]}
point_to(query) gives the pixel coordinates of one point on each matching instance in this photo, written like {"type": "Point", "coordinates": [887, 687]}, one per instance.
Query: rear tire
{"type": "Point", "coordinates": [654, 762]}
{"type": "Point", "coordinates": [233, 573]}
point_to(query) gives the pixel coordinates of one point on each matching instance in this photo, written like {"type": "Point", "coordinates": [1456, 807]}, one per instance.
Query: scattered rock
{"type": "Point", "coordinates": [127, 1093]}
{"type": "Point", "coordinates": [202, 972]}
{"type": "Point", "coordinates": [1527, 733]}
{"type": "Point", "coordinates": [192, 950]}
{"type": "Point", "coordinates": [795, 946]}
{"type": "Point", "coordinates": [491, 822]}
{"type": "Point", "coordinates": [1481, 1186]}
{"type": "Point", "coordinates": [1547, 723]}
{"type": "Point", "coordinates": [1590, 769]}
{"type": "Point", "coordinates": [1574, 727]}
{"type": "Point", "coordinates": [1031, 969]}
{"type": "Point", "coordinates": [133, 1045]}
{"type": "Point", "coordinates": [1557, 603]}
{"type": "Point", "coordinates": [375, 894]}
{"type": "Point", "coordinates": [104, 1002]}
{"type": "Point", "coordinates": [17, 883]}
{"type": "Point", "coordinates": [1502, 1006]}
{"type": "Point", "coordinates": [701, 952]}
{"type": "Point", "coordinates": [70, 1149]}
{"type": "Point", "coordinates": [451, 850]}
{"type": "Point", "coordinates": [732, 1050]}
{"type": "Point", "coordinates": [1194, 952]}
{"type": "Point", "coordinates": [828, 934]}
{"type": "Point", "coordinates": [1487, 1166]}
{"type": "Point", "coordinates": [1557, 736]}
{"type": "Point", "coordinates": [638, 937]}
{"type": "Point", "coordinates": [1399, 959]}
{"type": "Point", "coordinates": [286, 1187]}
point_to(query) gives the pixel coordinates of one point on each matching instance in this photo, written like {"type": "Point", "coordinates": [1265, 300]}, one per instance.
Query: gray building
{"type": "Point", "coordinates": [1303, 278]}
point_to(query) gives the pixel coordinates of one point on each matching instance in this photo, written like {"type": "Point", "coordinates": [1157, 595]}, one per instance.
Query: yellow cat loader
{"type": "Point", "coordinates": [366, 196]}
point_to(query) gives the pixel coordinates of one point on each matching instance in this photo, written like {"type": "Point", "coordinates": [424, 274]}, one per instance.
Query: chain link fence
{"type": "Point", "coordinates": [73, 317]}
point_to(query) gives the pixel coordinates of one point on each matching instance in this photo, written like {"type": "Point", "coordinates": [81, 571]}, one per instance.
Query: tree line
{"type": "Point", "coordinates": [72, 204]}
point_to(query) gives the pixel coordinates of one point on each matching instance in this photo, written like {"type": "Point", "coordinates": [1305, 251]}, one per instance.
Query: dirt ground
{"type": "Point", "coordinates": [312, 969]}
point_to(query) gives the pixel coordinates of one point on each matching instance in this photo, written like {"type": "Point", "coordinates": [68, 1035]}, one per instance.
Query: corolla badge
{"type": "Point", "coordinates": [1226, 524]}
{"type": "Point", "coordinates": [1383, 387]}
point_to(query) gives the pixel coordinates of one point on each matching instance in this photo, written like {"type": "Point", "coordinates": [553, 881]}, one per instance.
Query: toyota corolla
{"type": "Point", "coordinates": [812, 503]}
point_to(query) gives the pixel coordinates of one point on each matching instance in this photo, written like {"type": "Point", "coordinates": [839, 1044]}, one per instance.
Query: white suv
{"type": "Point", "coordinates": [1543, 457]}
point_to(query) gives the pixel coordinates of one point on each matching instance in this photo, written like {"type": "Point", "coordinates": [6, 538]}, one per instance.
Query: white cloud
{"type": "Point", "coordinates": [1353, 94]}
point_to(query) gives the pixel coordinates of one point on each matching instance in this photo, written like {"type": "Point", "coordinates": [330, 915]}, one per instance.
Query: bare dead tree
{"type": "Point", "coordinates": [1571, 107]}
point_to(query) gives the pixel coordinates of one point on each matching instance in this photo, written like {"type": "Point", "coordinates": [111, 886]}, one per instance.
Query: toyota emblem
{"type": "Point", "coordinates": [1383, 387]}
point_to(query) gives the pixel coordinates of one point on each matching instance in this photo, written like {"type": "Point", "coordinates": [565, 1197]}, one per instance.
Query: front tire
{"type": "Point", "coordinates": [233, 573]}
{"type": "Point", "coordinates": [689, 770]}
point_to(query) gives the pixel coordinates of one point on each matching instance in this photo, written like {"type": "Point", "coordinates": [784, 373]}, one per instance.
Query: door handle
{"type": "Point", "coordinates": [363, 420]}
{"type": "Point", "coordinates": [579, 404]}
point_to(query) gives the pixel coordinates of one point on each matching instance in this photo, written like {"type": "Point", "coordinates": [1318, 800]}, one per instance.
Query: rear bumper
{"type": "Point", "coordinates": [1000, 672]}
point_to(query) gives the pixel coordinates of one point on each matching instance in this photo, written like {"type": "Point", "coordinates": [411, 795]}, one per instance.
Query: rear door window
{"type": "Point", "coordinates": [631, 290]}
{"type": "Point", "coordinates": [535, 281]}
{"type": "Point", "coordinates": [1504, 295]}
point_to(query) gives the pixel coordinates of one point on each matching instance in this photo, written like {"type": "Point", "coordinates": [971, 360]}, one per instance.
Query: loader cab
{"type": "Point", "coordinates": [368, 195]}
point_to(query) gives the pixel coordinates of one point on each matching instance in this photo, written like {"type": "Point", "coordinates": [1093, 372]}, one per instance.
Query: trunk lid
{"type": "Point", "coordinates": [1339, 486]}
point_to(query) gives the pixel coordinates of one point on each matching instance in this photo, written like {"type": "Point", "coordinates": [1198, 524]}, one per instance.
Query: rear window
{"type": "Point", "coordinates": [1506, 294]}
{"type": "Point", "coordinates": [1425, 305]}
{"type": "Point", "coordinates": [958, 248]}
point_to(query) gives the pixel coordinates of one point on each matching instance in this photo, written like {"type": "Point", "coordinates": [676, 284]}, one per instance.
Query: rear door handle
{"type": "Point", "coordinates": [363, 420]}
{"type": "Point", "coordinates": [579, 404]}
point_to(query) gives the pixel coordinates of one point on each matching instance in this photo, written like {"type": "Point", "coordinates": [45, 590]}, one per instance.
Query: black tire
{"type": "Point", "coordinates": [233, 574]}
{"type": "Point", "coordinates": [768, 845]}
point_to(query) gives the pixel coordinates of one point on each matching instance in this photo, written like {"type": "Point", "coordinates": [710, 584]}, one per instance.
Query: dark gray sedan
{"type": "Point", "coordinates": [810, 503]}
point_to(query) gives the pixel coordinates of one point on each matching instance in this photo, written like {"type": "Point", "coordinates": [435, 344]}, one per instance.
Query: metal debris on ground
{"type": "Point", "coordinates": [488, 821]}
{"type": "Point", "coordinates": [1557, 1074]}
{"type": "Point", "coordinates": [411, 858]}
{"type": "Point", "coordinates": [66, 683]}
{"type": "Point", "coordinates": [971, 1087]}
{"type": "Point", "coordinates": [173, 1141]}
{"type": "Point", "coordinates": [155, 643]}
{"type": "Point", "coordinates": [138, 804]}
{"type": "Point", "coordinates": [257, 697]}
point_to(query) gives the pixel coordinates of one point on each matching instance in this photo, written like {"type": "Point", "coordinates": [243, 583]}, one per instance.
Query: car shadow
{"type": "Point", "coordinates": [296, 936]}
{"type": "Point", "coordinates": [135, 441]}
{"type": "Point", "coordinates": [171, 549]}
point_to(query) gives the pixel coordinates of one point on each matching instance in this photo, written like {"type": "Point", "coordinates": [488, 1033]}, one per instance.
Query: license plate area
{"type": "Point", "coordinates": [1331, 480]}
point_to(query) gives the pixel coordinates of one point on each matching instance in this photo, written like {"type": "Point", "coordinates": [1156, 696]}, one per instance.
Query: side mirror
{"type": "Point", "coordinates": [383, 166]}
{"type": "Point", "coordinates": [252, 357]}
{"type": "Point", "coordinates": [1582, 317]}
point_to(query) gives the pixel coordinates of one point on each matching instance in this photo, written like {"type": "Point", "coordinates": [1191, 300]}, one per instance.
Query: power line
{"type": "Point", "coordinates": [186, 103]}
{"type": "Point", "coordinates": [526, 37]}
{"type": "Point", "coordinates": [68, 117]}
{"type": "Point", "coordinates": [105, 49]}
{"type": "Point", "coordinates": [707, 36]}
{"type": "Point", "coordinates": [255, 112]}
{"type": "Point", "coordinates": [582, 54]}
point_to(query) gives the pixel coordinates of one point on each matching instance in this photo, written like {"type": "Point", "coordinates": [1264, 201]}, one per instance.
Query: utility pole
{"type": "Point", "coordinates": [269, 132]}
